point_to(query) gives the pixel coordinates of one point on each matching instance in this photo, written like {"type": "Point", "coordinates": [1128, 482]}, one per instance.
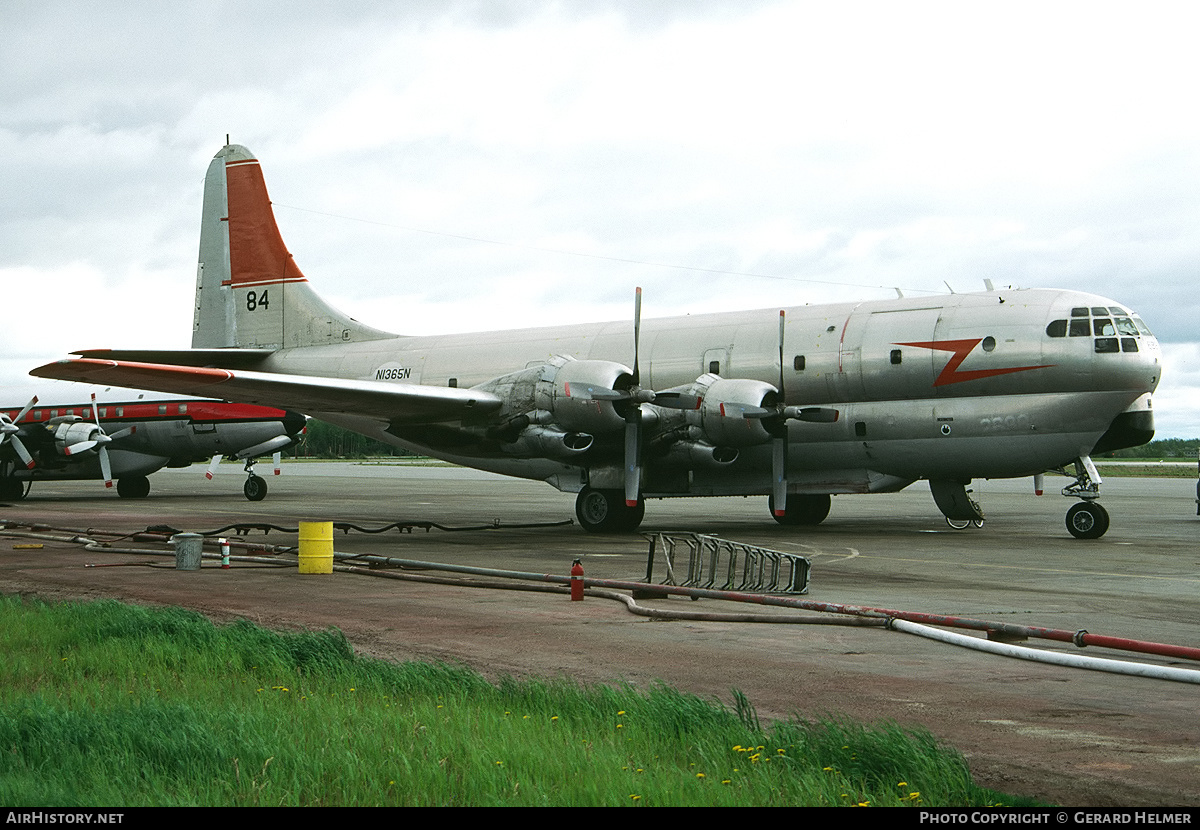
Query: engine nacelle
{"type": "Point", "coordinates": [579, 395]}
{"type": "Point", "coordinates": [70, 433]}
{"type": "Point", "coordinates": [725, 402]}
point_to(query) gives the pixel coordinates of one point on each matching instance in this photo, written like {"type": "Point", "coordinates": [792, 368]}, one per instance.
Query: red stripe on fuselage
{"type": "Point", "coordinates": [961, 349]}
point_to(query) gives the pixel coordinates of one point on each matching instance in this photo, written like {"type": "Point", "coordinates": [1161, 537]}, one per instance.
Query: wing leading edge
{"type": "Point", "coordinates": [401, 403]}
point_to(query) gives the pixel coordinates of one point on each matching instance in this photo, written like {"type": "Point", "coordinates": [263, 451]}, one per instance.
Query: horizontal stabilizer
{"type": "Point", "coordinates": [225, 358]}
{"type": "Point", "coordinates": [403, 403]}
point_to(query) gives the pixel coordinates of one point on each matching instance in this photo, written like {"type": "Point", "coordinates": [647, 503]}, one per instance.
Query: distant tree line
{"type": "Point", "coordinates": [328, 441]}
{"type": "Point", "coordinates": [1180, 448]}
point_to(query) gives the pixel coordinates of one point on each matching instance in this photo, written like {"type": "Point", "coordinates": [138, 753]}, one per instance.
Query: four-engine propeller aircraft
{"type": "Point", "coordinates": [126, 435]}
{"type": "Point", "coordinates": [795, 405]}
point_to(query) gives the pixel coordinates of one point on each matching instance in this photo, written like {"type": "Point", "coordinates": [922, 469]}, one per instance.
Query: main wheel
{"type": "Point", "coordinates": [809, 509]}
{"type": "Point", "coordinates": [255, 488]}
{"type": "Point", "coordinates": [11, 489]}
{"type": "Point", "coordinates": [133, 487]}
{"type": "Point", "coordinates": [605, 511]}
{"type": "Point", "coordinates": [1087, 520]}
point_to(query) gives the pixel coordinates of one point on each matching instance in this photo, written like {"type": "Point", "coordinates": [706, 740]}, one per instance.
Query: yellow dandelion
{"type": "Point", "coordinates": [621, 712]}
{"type": "Point", "coordinates": [726, 781]}
{"type": "Point", "coordinates": [902, 784]}
{"type": "Point", "coordinates": [554, 718]}
{"type": "Point", "coordinates": [636, 797]}
{"type": "Point", "coordinates": [699, 775]}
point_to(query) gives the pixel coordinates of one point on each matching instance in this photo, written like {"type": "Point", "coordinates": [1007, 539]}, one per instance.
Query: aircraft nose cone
{"type": "Point", "coordinates": [293, 423]}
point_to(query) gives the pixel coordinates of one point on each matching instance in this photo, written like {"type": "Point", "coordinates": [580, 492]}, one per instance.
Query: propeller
{"type": "Point", "coordinates": [780, 415]}
{"type": "Point", "coordinates": [9, 432]}
{"type": "Point", "coordinates": [634, 396]}
{"type": "Point", "coordinates": [98, 440]}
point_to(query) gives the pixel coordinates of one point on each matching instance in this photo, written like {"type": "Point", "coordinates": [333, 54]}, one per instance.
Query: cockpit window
{"type": "Point", "coordinates": [1125, 326]}
{"type": "Point", "coordinates": [1057, 328]}
{"type": "Point", "coordinates": [1079, 311]}
{"type": "Point", "coordinates": [1099, 311]}
{"type": "Point", "coordinates": [1081, 328]}
{"type": "Point", "coordinates": [1103, 328]}
{"type": "Point", "coordinates": [1142, 327]}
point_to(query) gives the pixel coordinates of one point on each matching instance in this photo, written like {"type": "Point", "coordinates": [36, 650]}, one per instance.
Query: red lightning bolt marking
{"type": "Point", "coordinates": [961, 349]}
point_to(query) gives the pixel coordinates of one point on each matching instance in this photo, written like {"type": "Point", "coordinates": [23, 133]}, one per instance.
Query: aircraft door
{"type": "Point", "coordinates": [890, 370]}
{"type": "Point", "coordinates": [716, 361]}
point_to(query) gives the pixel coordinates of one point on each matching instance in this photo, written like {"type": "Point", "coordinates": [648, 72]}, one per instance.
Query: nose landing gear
{"type": "Point", "coordinates": [1088, 519]}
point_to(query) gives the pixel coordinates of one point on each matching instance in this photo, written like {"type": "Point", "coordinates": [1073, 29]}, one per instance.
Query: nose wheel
{"type": "Point", "coordinates": [1088, 519]}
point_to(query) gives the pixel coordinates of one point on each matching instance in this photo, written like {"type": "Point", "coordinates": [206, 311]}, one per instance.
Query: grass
{"type": "Point", "coordinates": [109, 705]}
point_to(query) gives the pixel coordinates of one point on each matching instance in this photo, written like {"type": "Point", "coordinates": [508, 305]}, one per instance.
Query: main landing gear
{"type": "Point", "coordinates": [605, 511]}
{"type": "Point", "coordinates": [802, 510]}
{"type": "Point", "coordinates": [133, 487]}
{"type": "Point", "coordinates": [1088, 519]}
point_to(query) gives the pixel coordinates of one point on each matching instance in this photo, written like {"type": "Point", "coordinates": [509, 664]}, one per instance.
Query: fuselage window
{"type": "Point", "coordinates": [452, 383]}
{"type": "Point", "coordinates": [714, 366]}
{"type": "Point", "coordinates": [798, 363]}
{"type": "Point", "coordinates": [1107, 345]}
{"type": "Point", "coordinates": [162, 409]}
{"type": "Point", "coordinates": [896, 357]}
{"type": "Point", "coordinates": [989, 343]}
{"type": "Point", "coordinates": [1081, 328]}
{"type": "Point", "coordinates": [1057, 328]}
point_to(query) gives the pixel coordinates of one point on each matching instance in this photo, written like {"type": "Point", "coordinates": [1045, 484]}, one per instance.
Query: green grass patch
{"type": "Point", "coordinates": [115, 705]}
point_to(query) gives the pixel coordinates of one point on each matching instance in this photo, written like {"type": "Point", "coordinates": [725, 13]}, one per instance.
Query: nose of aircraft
{"type": "Point", "coordinates": [294, 423]}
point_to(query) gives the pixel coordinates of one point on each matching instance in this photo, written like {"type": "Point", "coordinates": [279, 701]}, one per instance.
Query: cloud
{"type": "Point", "coordinates": [450, 165]}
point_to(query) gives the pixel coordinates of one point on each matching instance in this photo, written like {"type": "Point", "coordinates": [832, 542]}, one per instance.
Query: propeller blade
{"type": "Point", "coordinates": [82, 446]}
{"type": "Point", "coordinates": [32, 403]}
{"type": "Point", "coordinates": [637, 333]}
{"type": "Point", "coordinates": [779, 475]}
{"type": "Point", "coordinates": [633, 465]}
{"type": "Point", "coordinates": [782, 323]}
{"type": "Point", "coordinates": [212, 468]}
{"type": "Point", "coordinates": [95, 412]}
{"type": "Point", "coordinates": [677, 400]}
{"type": "Point", "coordinates": [22, 452]}
{"type": "Point", "coordinates": [105, 467]}
{"type": "Point", "coordinates": [811, 414]}
{"type": "Point", "coordinates": [124, 433]}
{"type": "Point", "coordinates": [277, 458]}
{"type": "Point", "coordinates": [587, 392]}
{"type": "Point", "coordinates": [744, 410]}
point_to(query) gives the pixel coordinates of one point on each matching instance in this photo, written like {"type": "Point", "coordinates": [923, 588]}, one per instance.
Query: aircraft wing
{"type": "Point", "coordinates": [405, 403]}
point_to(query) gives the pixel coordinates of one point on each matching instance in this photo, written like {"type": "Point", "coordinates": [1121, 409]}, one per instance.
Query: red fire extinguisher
{"type": "Point", "coordinates": [577, 581]}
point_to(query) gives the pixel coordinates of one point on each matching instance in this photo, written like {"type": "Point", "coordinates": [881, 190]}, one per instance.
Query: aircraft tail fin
{"type": "Point", "coordinates": [249, 291]}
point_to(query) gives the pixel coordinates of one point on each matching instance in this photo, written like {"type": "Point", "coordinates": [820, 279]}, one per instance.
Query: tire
{"type": "Point", "coordinates": [605, 511]}
{"type": "Point", "coordinates": [802, 510]}
{"type": "Point", "coordinates": [255, 488]}
{"type": "Point", "coordinates": [133, 487]}
{"type": "Point", "coordinates": [12, 489]}
{"type": "Point", "coordinates": [1087, 520]}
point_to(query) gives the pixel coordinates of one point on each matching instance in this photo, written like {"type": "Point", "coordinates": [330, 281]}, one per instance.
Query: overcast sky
{"type": "Point", "coordinates": [456, 166]}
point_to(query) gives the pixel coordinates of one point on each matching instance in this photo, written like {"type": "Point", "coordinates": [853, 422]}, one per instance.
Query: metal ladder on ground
{"type": "Point", "coordinates": [696, 560]}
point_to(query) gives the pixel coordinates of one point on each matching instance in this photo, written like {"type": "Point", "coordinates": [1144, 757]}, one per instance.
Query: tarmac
{"type": "Point", "coordinates": [1066, 735]}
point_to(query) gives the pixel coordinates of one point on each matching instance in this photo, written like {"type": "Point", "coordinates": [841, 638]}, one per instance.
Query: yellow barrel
{"type": "Point", "coordinates": [316, 547]}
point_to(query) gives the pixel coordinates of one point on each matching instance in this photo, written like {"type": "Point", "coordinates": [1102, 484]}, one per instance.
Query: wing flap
{"type": "Point", "coordinates": [402, 403]}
